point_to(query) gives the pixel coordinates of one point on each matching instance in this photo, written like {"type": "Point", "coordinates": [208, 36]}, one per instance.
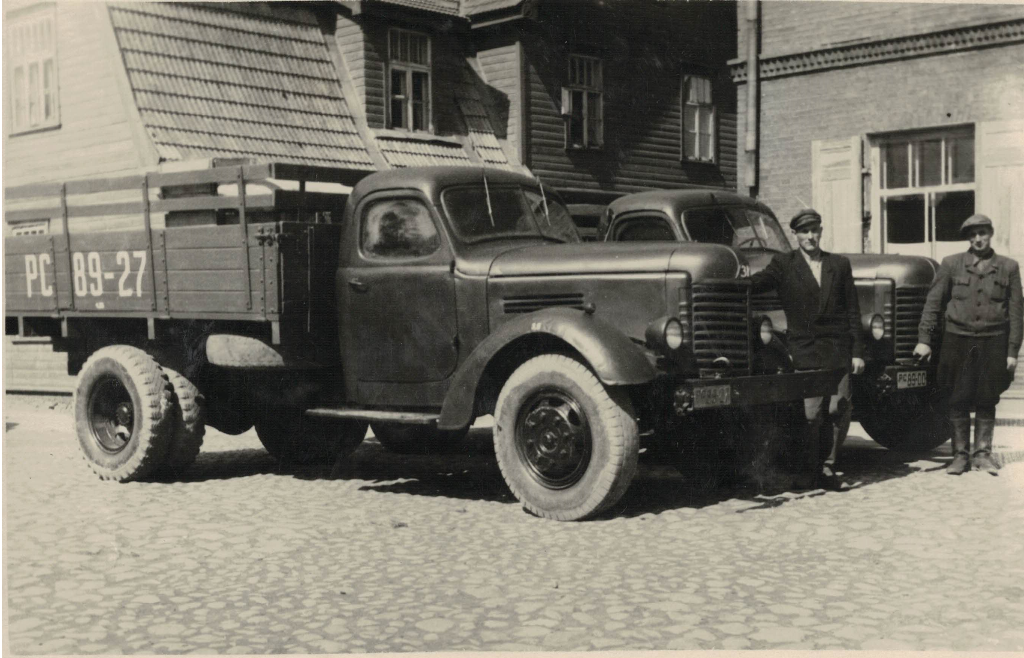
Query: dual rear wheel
{"type": "Point", "coordinates": [135, 419]}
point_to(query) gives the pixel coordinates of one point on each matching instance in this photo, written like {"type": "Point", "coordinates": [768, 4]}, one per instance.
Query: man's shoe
{"type": "Point", "coordinates": [961, 445]}
{"type": "Point", "coordinates": [982, 457]}
{"type": "Point", "coordinates": [804, 483]}
{"type": "Point", "coordinates": [829, 480]}
{"type": "Point", "coordinates": [959, 465]}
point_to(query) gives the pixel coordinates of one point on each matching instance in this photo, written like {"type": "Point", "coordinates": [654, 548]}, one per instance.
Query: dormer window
{"type": "Point", "coordinates": [583, 103]}
{"type": "Point", "coordinates": [30, 56]}
{"type": "Point", "coordinates": [409, 80]}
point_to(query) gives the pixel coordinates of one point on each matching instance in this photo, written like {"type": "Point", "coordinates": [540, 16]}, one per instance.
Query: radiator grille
{"type": "Point", "coordinates": [719, 321]}
{"type": "Point", "coordinates": [765, 302]}
{"type": "Point", "coordinates": [909, 305]}
{"type": "Point", "coordinates": [531, 303]}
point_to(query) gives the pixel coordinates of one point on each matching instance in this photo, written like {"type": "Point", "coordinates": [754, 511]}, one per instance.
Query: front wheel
{"type": "Point", "coordinates": [291, 436]}
{"type": "Point", "coordinates": [907, 422]}
{"type": "Point", "coordinates": [566, 445]}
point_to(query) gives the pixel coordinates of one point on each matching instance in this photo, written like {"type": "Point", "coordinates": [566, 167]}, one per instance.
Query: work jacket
{"type": "Point", "coordinates": [981, 299]}
{"type": "Point", "coordinates": [823, 321]}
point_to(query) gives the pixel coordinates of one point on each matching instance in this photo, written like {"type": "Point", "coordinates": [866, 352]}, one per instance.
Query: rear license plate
{"type": "Point", "coordinates": [705, 397]}
{"type": "Point", "coordinates": [912, 379]}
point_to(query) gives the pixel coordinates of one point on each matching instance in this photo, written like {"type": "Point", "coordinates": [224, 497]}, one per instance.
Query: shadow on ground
{"type": "Point", "coordinates": [471, 473]}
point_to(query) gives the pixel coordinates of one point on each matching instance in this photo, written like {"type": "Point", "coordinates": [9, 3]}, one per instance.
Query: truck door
{"type": "Point", "coordinates": [397, 294]}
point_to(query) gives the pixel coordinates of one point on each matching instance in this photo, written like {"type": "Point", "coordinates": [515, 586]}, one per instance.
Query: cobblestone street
{"type": "Point", "coordinates": [429, 553]}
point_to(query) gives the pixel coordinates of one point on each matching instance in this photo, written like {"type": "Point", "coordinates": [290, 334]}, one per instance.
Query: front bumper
{"type": "Point", "coordinates": [728, 392]}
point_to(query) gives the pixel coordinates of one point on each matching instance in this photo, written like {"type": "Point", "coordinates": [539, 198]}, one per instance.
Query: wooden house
{"type": "Point", "coordinates": [597, 98]}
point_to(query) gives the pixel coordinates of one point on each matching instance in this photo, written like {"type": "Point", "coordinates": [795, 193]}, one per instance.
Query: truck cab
{"type": "Point", "coordinates": [896, 400]}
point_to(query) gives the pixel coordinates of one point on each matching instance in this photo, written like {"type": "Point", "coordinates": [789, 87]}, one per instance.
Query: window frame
{"type": "Point", "coordinates": [25, 20]}
{"type": "Point", "coordinates": [408, 69]}
{"type": "Point", "coordinates": [915, 187]}
{"type": "Point", "coordinates": [684, 102]}
{"type": "Point", "coordinates": [370, 257]}
{"type": "Point", "coordinates": [623, 219]}
{"type": "Point", "coordinates": [594, 88]}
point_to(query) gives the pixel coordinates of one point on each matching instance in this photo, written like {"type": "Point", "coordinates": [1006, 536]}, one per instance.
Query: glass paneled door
{"type": "Point", "coordinates": [926, 191]}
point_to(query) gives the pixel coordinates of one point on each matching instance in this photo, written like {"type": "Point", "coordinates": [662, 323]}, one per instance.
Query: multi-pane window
{"type": "Point", "coordinates": [31, 59]}
{"type": "Point", "coordinates": [583, 103]}
{"type": "Point", "coordinates": [926, 189]}
{"type": "Point", "coordinates": [408, 80]}
{"type": "Point", "coordinates": [698, 119]}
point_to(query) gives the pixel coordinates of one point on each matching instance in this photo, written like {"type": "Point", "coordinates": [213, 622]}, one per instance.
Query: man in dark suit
{"type": "Point", "coordinates": [824, 331]}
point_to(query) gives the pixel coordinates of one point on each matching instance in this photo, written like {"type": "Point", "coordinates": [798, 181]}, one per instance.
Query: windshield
{"type": "Point", "coordinates": [743, 228]}
{"type": "Point", "coordinates": [511, 213]}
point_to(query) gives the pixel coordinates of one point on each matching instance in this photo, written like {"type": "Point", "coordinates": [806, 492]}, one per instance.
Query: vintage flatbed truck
{"type": "Point", "coordinates": [425, 299]}
{"type": "Point", "coordinates": [896, 400]}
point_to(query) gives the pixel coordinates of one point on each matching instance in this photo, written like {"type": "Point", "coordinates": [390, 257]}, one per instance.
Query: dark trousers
{"type": "Point", "coordinates": [972, 370]}
{"type": "Point", "coordinates": [826, 430]}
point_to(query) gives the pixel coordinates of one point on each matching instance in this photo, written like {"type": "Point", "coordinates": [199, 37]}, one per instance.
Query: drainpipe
{"type": "Point", "coordinates": [753, 93]}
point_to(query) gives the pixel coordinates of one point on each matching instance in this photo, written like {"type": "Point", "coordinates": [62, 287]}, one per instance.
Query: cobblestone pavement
{"type": "Point", "coordinates": [432, 553]}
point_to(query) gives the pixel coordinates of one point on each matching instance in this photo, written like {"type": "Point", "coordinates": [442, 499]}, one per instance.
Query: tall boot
{"type": "Point", "coordinates": [961, 443]}
{"type": "Point", "coordinates": [981, 458]}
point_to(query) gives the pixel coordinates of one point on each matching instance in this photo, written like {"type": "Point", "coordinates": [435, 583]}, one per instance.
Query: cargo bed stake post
{"type": "Point", "coordinates": [244, 230]}
{"type": "Point", "coordinates": [67, 240]}
{"type": "Point", "coordinates": [148, 222]}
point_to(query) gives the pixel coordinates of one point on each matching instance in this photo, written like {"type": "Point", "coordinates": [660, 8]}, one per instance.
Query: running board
{"type": "Point", "coordinates": [404, 417]}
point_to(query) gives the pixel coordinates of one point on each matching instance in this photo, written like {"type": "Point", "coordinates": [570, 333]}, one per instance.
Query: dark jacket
{"type": "Point", "coordinates": [824, 325]}
{"type": "Point", "coordinates": [978, 303]}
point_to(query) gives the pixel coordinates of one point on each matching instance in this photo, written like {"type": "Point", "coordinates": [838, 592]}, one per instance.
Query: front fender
{"type": "Point", "coordinates": [614, 358]}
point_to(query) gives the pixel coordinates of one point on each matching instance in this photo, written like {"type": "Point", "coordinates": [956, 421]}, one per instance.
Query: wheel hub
{"type": "Point", "coordinates": [111, 415]}
{"type": "Point", "coordinates": [553, 438]}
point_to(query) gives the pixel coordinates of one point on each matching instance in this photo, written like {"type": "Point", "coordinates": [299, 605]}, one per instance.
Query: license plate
{"type": "Point", "coordinates": [705, 397]}
{"type": "Point", "coordinates": [912, 379]}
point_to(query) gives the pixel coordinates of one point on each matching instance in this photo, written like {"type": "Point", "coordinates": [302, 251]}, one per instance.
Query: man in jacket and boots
{"type": "Point", "coordinates": [981, 294]}
{"type": "Point", "coordinates": [823, 318]}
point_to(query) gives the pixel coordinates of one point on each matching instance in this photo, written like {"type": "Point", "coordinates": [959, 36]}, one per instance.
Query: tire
{"type": "Point", "coordinates": [227, 419]}
{"type": "Point", "coordinates": [190, 426]}
{"type": "Point", "coordinates": [909, 422]}
{"type": "Point", "coordinates": [290, 436]}
{"type": "Point", "coordinates": [124, 414]}
{"type": "Point", "coordinates": [416, 439]}
{"type": "Point", "coordinates": [556, 399]}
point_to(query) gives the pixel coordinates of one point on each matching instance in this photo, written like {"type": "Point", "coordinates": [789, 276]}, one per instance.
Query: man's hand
{"type": "Point", "coordinates": [858, 365]}
{"type": "Point", "coordinates": [923, 351]}
{"type": "Point", "coordinates": [1011, 363]}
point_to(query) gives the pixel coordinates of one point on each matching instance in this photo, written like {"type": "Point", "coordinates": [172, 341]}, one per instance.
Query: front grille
{"type": "Point", "coordinates": [909, 305]}
{"type": "Point", "coordinates": [531, 303]}
{"type": "Point", "coordinates": [764, 303]}
{"type": "Point", "coordinates": [718, 315]}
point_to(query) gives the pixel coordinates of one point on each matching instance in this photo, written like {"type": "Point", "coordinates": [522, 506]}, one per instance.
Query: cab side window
{"type": "Point", "coordinates": [398, 228]}
{"type": "Point", "coordinates": [642, 229]}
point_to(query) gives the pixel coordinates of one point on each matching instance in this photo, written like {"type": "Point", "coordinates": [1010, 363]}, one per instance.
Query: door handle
{"type": "Point", "coordinates": [358, 285]}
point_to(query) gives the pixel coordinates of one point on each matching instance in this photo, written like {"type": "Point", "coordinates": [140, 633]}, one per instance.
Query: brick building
{"type": "Point", "coordinates": [896, 120]}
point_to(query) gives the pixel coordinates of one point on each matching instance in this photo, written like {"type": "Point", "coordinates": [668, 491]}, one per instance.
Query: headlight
{"type": "Point", "coordinates": [877, 327]}
{"type": "Point", "coordinates": [767, 330]}
{"type": "Point", "coordinates": [665, 334]}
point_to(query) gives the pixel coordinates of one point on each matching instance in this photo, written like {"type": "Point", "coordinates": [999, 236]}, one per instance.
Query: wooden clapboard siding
{"type": "Point", "coordinates": [374, 69]}
{"type": "Point", "coordinates": [96, 135]}
{"type": "Point", "coordinates": [645, 54]}
{"type": "Point", "coordinates": [501, 65]}
{"type": "Point", "coordinates": [31, 364]}
{"type": "Point", "coordinates": [352, 46]}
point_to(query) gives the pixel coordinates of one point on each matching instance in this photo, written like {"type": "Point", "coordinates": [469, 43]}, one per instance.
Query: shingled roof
{"type": "Point", "coordinates": [209, 82]}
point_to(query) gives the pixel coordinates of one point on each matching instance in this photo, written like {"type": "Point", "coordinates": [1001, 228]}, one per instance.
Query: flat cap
{"type": "Point", "coordinates": [973, 221]}
{"type": "Point", "coordinates": [804, 218]}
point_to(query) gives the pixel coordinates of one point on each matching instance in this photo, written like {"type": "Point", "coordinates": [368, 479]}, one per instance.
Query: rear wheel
{"type": "Point", "coordinates": [190, 427]}
{"type": "Point", "coordinates": [566, 445]}
{"type": "Point", "coordinates": [416, 439]}
{"type": "Point", "coordinates": [291, 436]}
{"type": "Point", "coordinates": [123, 413]}
{"type": "Point", "coordinates": [905, 422]}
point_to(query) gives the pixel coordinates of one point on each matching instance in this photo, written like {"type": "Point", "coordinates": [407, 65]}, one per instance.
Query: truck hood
{"type": "Point", "coordinates": [904, 270]}
{"type": "Point", "coordinates": [702, 261]}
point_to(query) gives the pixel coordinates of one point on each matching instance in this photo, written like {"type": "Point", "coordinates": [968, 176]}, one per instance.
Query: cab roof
{"type": "Point", "coordinates": [430, 180]}
{"type": "Point", "coordinates": [674, 202]}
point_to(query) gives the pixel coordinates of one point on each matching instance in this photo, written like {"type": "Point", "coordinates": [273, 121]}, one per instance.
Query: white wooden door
{"type": "Point", "coordinates": [1000, 175]}
{"type": "Point", "coordinates": [836, 193]}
